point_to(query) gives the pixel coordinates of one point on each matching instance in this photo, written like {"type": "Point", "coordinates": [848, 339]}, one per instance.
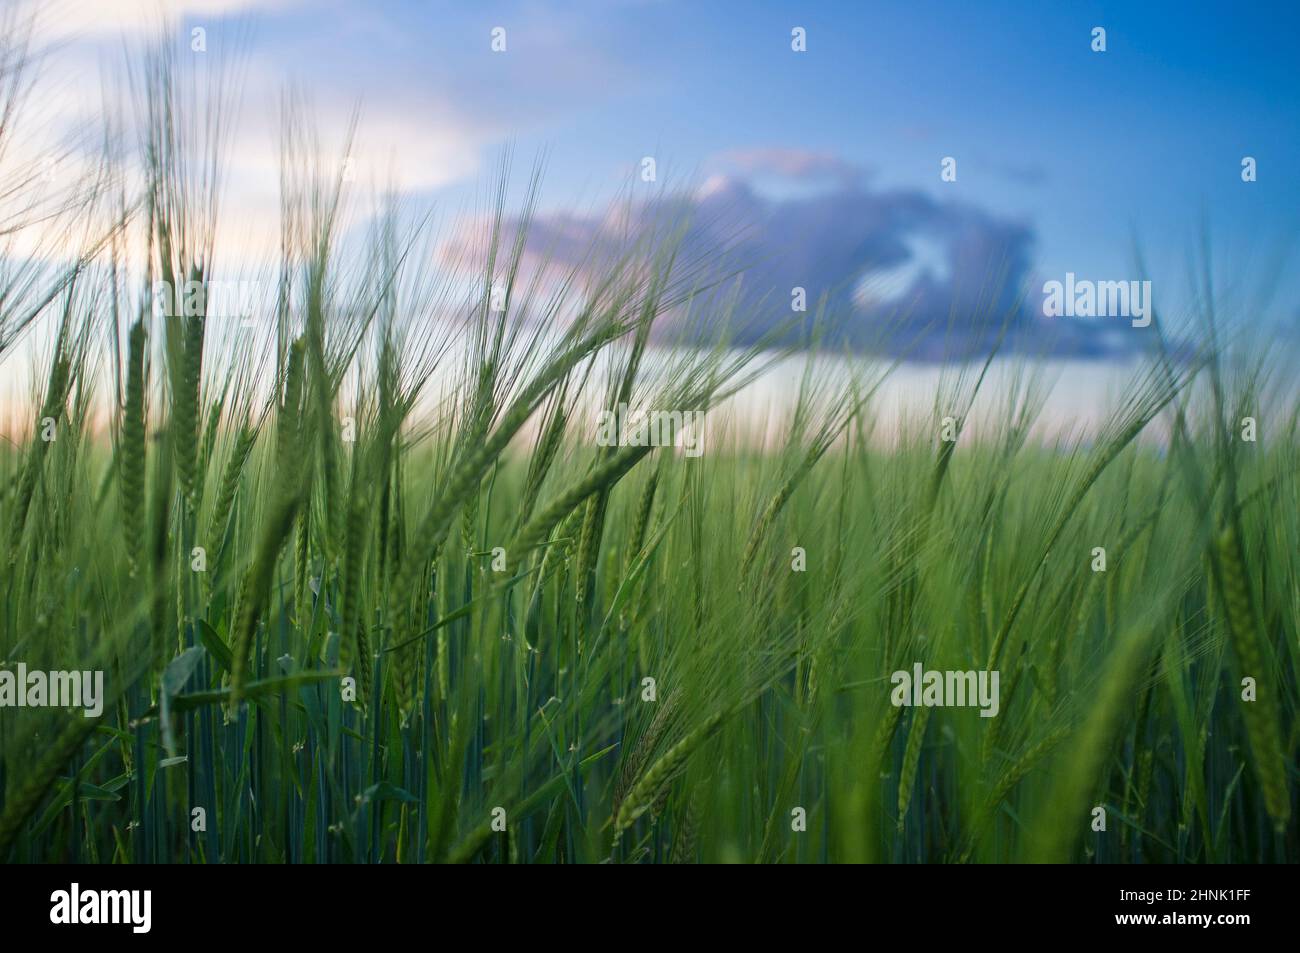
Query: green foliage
{"type": "Point", "coordinates": [350, 680]}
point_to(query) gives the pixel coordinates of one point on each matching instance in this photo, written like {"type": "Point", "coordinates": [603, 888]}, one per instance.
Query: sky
{"type": "Point", "coordinates": [827, 160]}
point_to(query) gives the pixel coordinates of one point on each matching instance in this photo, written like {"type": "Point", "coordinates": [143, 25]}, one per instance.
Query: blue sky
{"type": "Point", "coordinates": [1064, 154]}
{"type": "Point", "coordinates": [1086, 148]}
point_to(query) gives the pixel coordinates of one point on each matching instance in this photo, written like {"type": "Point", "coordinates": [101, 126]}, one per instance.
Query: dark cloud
{"type": "Point", "coordinates": [901, 272]}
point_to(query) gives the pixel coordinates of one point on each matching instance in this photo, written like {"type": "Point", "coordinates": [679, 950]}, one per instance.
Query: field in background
{"type": "Point", "coordinates": [517, 679]}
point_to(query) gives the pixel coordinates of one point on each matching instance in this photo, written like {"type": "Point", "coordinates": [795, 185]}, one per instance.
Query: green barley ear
{"type": "Point", "coordinates": [255, 589]}
{"type": "Point", "coordinates": [53, 407]}
{"type": "Point", "coordinates": [277, 520]}
{"type": "Point", "coordinates": [647, 791]}
{"type": "Point", "coordinates": [911, 760]}
{"type": "Point", "coordinates": [605, 474]}
{"type": "Point", "coordinates": [636, 758]}
{"type": "Point", "coordinates": [302, 568]}
{"type": "Point", "coordinates": [1262, 716]}
{"type": "Point", "coordinates": [644, 509]}
{"type": "Point", "coordinates": [1006, 783]}
{"type": "Point", "coordinates": [208, 444]}
{"type": "Point", "coordinates": [289, 420]}
{"type": "Point", "coordinates": [685, 844]}
{"type": "Point", "coordinates": [133, 448]}
{"type": "Point", "coordinates": [765, 521]}
{"type": "Point", "coordinates": [365, 666]}
{"type": "Point", "coordinates": [185, 413]}
{"type": "Point", "coordinates": [837, 421]}
{"type": "Point", "coordinates": [26, 796]}
{"type": "Point", "coordinates": [543, 456]}
{"type": "Point", "coordinates": [229, 486]}
{"type": "Point", "coordinates": [593, 524]}
{"type": "Point", "coordinates": [468, 472]}
{"type": "Point", "coordinates": [1059, 825]}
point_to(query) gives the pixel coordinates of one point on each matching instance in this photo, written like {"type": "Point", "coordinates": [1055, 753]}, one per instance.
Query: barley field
{"type": "Point", "coordinates": [364, 587]}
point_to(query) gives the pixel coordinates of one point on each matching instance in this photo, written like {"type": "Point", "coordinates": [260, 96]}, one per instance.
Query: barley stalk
{"type": "Point", "coordinates": [1262, 716]}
